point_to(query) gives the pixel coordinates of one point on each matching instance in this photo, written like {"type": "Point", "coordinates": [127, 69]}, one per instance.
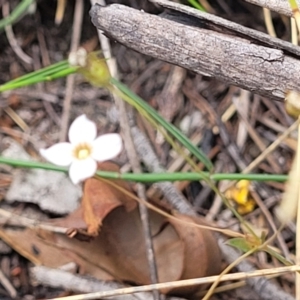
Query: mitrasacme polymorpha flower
{"type": "Point", "coordinates": [84, 150]}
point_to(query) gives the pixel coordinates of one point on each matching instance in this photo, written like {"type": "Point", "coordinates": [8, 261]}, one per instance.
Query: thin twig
{"type": "Point", "coordinates": [280, 6]}
{"type": "Point", "coordinates": [10, 218]}
{"type": "Point", "coordinates": [187, 282]}
{"type": "Point", "coordinates": [270, 148]}
{"type": "Point", "coordinates": [60, 10]}
{"type": "Point", "coordinates": [268, 22]}
{"type": "Point", "coordinates": [12, 39]}
{"type": "Point", "coordinates": [77, 26]}
{"type": "Point", "coordinates": [7, 285]}
{"type": "Point", "coordinates": [83, 284]}
{"type": "Point", "coordinates": [133, 158]}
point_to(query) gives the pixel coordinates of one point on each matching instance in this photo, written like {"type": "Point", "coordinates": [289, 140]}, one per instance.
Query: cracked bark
{"type": "Point", "coordinates": [245, 62]}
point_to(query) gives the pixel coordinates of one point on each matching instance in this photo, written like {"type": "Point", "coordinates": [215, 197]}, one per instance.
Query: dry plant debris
{"type": "Point", "coordinates": [104, 238]}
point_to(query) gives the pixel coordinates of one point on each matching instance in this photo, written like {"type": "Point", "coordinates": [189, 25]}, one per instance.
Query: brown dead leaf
{"type": "Point", "coordinates": [120, 249]}
{"type": "Point", "coordinates": [181, 251]}
{"type": "Point", "coordinates": [202, 256]}
{"type": "Point", "coordinates": [93, 194]}
{"type": "Point", "coordinates": [39, 248]}
{"type": "Point", "coordinates": [116, 247]}
{"type": "Point", "coordinates": [99, 199]}
{"type": "Point", "coordinates": [29, 245]}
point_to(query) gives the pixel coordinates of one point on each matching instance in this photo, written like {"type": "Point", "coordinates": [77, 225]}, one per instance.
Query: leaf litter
{"type": "Point", "coordinates": [105, 239]}
{"type": "Point", "coordinates": [266, 117]}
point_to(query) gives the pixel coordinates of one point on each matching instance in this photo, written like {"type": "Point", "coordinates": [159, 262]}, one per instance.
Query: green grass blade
{"type": "Point", "coordinates": [196, 4]}
{"type": "Point", "coordinates": [148, 177]}
{"type": "Point", "coordinates": [16, 14]}
{"type": "Point", "coordinates": [42, 72]}
{"type": "Point", "coordinates": [58, 70]}
{"type": "Point", "coordinates": [175, 132]}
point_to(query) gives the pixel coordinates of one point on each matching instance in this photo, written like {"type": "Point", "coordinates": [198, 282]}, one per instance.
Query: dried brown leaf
{"type": "Point", "coordinates": [30, 245]}
{"type": "Point", "coordinates": [202, 256]}
{"type": "Point", "coordinates": [116, 247]}
{"type": "Point", "coordinates": [181, 251]}
{"type": "Point", "coordinates": [99, 199]}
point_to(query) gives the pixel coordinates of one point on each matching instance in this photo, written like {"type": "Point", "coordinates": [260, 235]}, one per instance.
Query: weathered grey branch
{"type": "Point", "coordinates": [190, 16]}
{"type": "Point", "coordinates": [82, 284]}
{"type": "Point", "coordinates": [175, 38]}
{"type": "Point", "coordinates": [280, 6]}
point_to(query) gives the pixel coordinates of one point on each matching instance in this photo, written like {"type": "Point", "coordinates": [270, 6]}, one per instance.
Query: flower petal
{"type": "Point", "coordinates": [59, 154]}
{"type": "Point", "coordinates": [82, 169]}
{"type": "Point", "coordinates": [82, 130]}
{"type": "Point", "coordinates": [107, 146]}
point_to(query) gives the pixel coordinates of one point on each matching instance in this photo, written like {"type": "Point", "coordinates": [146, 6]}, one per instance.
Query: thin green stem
{"type": "Point", "coordinates": [16, 14]}
{"type": "Point", "coordinates": [153, 117]}
{"type": "Point", "coordinates": [58, 70]}
{"type": "Point", "coordinates": [137, 102]}
{"type": "Point", "coordinates": [150, 177]}
{"type": "Point", "coordinates": [196, 4]}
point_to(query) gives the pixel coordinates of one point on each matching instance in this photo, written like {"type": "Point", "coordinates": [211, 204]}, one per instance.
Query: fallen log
{"type": "Point", "coordinates": [205, 44]}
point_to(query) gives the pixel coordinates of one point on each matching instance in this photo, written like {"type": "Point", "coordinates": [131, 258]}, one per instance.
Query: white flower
{"type": "Point", "coordinates": [84, 149]}
{"type": "Point", "coordinates": [78, 58]}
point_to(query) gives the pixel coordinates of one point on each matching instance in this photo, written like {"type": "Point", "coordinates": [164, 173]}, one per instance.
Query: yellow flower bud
{"type": "Point", "coordinates": [292, 103]}
{"type": "Point", "coordinates": [96, 71]}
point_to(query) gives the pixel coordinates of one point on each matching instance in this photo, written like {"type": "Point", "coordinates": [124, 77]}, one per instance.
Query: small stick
{"type": "Point", "coordinates": [181, 283]}
{"type": "Point", "coordinates": [7, 285]}
{"type": "Point", "coordinates": [126, 114]}
{"type": "Point", "coordinates": [268, 22]}
{"type": "Point", "coordinates": [77, 25]}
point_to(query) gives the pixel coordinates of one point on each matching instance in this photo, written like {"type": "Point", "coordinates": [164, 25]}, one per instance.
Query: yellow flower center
{"type": "Point", "coordinates": [82, 151]}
